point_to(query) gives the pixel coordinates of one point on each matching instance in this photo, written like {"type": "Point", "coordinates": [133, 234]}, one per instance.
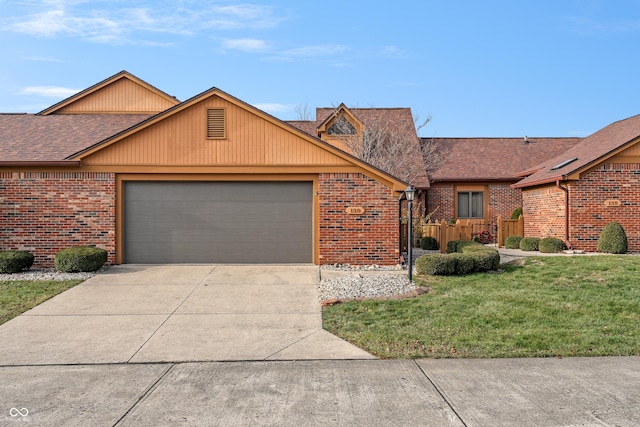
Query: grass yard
{"type": "Point", "coordinates": [545, 306]}
{"type": "Point", "coordinates": [16, 297]}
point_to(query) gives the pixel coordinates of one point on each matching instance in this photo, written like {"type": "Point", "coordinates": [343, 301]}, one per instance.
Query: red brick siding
{"type": "Point", "coordinates": [440, 197]}
{"type": "Point", "coordinates": [370, 238]}
{"type": "Point", "coordinates": [589, 214]}
{"type": "Point", "coordinates": [44, 212]}
{"type": "Point", "coordinates": [503, 200]}
{"type": "Point", "coordinates": [543, 212]}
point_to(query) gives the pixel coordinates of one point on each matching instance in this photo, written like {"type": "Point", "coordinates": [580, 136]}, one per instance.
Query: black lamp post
{"type": "Point", "coordinates": [410, 193]}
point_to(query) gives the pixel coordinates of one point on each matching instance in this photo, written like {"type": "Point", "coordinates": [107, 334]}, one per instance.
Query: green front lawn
{"type": "Point", "coordinates": [16, 297]}
{"type": "Point", "coordinates": [546, 306]}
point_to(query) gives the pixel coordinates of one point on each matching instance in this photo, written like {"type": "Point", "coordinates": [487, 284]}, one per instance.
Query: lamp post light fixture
{"type": "Point", "coordinates": [410, 193]}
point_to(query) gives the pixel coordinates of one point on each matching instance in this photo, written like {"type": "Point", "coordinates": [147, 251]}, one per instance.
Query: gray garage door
{"type": "Point", "coordinates": [218, 222]}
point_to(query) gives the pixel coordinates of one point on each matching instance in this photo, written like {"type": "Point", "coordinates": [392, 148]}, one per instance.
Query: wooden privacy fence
{"type": "Point", "coordinates": [509, 227]}
{"type": "Point", "coordinates": [444, 232]}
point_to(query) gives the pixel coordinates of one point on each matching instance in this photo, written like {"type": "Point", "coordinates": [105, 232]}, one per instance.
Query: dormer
{"type": "Point", "coordinates": [339, 127]}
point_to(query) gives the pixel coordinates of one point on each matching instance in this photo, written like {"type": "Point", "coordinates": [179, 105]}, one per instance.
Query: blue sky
{"type": "Point", "coordinates": [478, 68]}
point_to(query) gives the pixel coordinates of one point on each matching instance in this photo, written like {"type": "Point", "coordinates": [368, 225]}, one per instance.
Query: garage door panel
{"type": "Point", "coordinates": [218, 222]}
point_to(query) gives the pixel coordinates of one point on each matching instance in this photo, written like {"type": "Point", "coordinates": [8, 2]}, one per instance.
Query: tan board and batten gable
{"type": "Point", "coordinates": [122, 93]}
{"type": "Point", "coordinates": [174, 146]}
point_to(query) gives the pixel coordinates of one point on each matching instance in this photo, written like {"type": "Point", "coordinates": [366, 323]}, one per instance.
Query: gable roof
{"type": "Point", "coordinates": [32, 138]}
{"type": "Point", "coordinates": [123, 76]}
{"type": "Point", "coordinates": [400, 119]}
{"type": "Point", "coordinates": [592, 150]}
{"type": "Point", "coordinates": [392, 181]}
{"type": "Point", "coordinates": [492, 159]}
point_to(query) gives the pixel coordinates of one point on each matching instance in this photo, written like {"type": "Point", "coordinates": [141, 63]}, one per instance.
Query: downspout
{"type": "Point", "coordinates": [400, 227]}
{"type": "Point", "coordinates": [566, 213]}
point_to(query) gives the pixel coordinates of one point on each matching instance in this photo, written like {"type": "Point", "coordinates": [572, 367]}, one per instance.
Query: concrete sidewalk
{"type": "Point", "coordinates": [443, 392]}
{"type": "Point", "coordinates": [178, 313]}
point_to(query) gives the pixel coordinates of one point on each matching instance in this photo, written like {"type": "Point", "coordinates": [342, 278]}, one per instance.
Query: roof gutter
{"type": "Point", "coordinates": [46, 163]}
{"type": "Point", "coordinates": [566, 213]}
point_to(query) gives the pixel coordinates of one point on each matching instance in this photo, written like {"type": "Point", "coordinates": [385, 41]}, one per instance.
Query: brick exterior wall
{"type": "Point", "coordinates": [45, 212]}
{"type": "Point", "coordinates": [502, 200]}
{"type": "Point", "coordinates": [440, 197]}
{"type": "Point", "coordinates": [589, 214]}
{"type": "Point", "coordinates": [370, 238]}
{"type": "Point", "coordinates": [543, 212]}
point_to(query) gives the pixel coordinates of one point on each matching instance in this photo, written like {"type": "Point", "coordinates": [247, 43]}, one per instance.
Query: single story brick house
{"type": "Point", "coordinates": [475, 177]}
{"type": "Point", "coordinates": [126, 167]}
{"type": "Point", "coordinates": [573, 195]}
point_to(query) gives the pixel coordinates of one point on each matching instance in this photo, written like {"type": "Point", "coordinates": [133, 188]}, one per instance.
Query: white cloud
{"type": "Point", "coordinates": [49, 91]}
{"type": "Point", "coordinates": [273, 108]}
{"type": "Point", "coordinates": [246, 45]}
{"type": "Point", "coordinates": [316, 50]}
{"type": "Point", "coordinates": [108, 22]}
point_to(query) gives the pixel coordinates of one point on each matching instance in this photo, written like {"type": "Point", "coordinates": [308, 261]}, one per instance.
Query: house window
{"type": "Point", "coordinates": [341, 127]}
{"type": "Point", "coordinates": [215, 123]}
{"type": "Point", "coordinates": [471, 204]}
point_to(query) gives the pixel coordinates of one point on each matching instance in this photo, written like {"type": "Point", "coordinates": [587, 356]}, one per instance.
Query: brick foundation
{"type": "Point", "coordinates": [370, 238]}
{"type": "Point", "coordinates": [45, 212]}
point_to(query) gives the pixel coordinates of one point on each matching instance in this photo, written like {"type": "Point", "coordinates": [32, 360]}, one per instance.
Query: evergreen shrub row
{"type": "Point", "coordinates": [71, 260]}
{"type": "Point", "coordinates": [463, 257]}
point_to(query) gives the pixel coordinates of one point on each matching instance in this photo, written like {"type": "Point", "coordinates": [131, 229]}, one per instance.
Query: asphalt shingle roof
{"type": "Point", "coordinates": [493, 159]}
{"type": "Point", "coordinates": [588, 152]}
{"type": "Point", "coordinates": [29, 137]}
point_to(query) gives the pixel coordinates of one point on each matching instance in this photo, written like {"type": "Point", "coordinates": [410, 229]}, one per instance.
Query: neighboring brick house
{"type": "Point", "coordinates": [474, 179]}
{"type": "Point", "coordinates": [126, 167]}
{"type": "Point", "coordinates": [573, 195]}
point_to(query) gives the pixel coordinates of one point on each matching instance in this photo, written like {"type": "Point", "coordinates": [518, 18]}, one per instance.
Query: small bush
{"type": "Point", "coordinates": [512, 242]}
{"type": "Point", "coordinates": [551, 245]}
{"type": "Point", "coordinates": [484, 258]}
{"type": "Point", "coordinates": [613, 239]}
{"type": "Point", "coordinates": [15, 261]}
{"type": "Point", "coordinates": [516, 213]}
{"type": "Point", "coordinates": [529, 243]}
{"type": "Point", "coordinates": [457, 245]}
{"type": "Point", "coordinates": [80, 259]}
{"type": "Point", "coordinates": [464, 263]}
{"type": "Point", "coordinates": [429, 244]}
{"type": "Point", "coordinates": [435, 265]}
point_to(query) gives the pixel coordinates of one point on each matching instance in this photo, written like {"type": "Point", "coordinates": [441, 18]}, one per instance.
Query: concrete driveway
{"type": "Point", "coordinates": [178, 313]}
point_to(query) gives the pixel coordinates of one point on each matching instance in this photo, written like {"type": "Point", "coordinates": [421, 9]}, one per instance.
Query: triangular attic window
{"type": "Point", "coordinates": [342, 127]}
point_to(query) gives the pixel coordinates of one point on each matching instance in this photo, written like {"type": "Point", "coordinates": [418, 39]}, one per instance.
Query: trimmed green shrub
{"type": "Point", "coordinates": [529, 243]}
{"type": "Point", "coordinates": [457, 245]}
{"type": "Point", "coordinates": [613, 239]}
{"type": "Point", "coordinates": [464, 263]}
{"type": "Point", "coordinates": [80, 259]}
{"type": "Point", "coordinates": [512, 242]}
{"type": "Point", "coordinates": [435, 265]}
{"type": "Point", "coordinates": [516, 213]}
{"type": "Point", "coordinates": [15, 261]}
{"type": "Point", "coordinates": [429, 244]}
{"type": "Point", "coordinates": [551, 245]}
{"type": "Point", "coordinates": [484, 258]}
